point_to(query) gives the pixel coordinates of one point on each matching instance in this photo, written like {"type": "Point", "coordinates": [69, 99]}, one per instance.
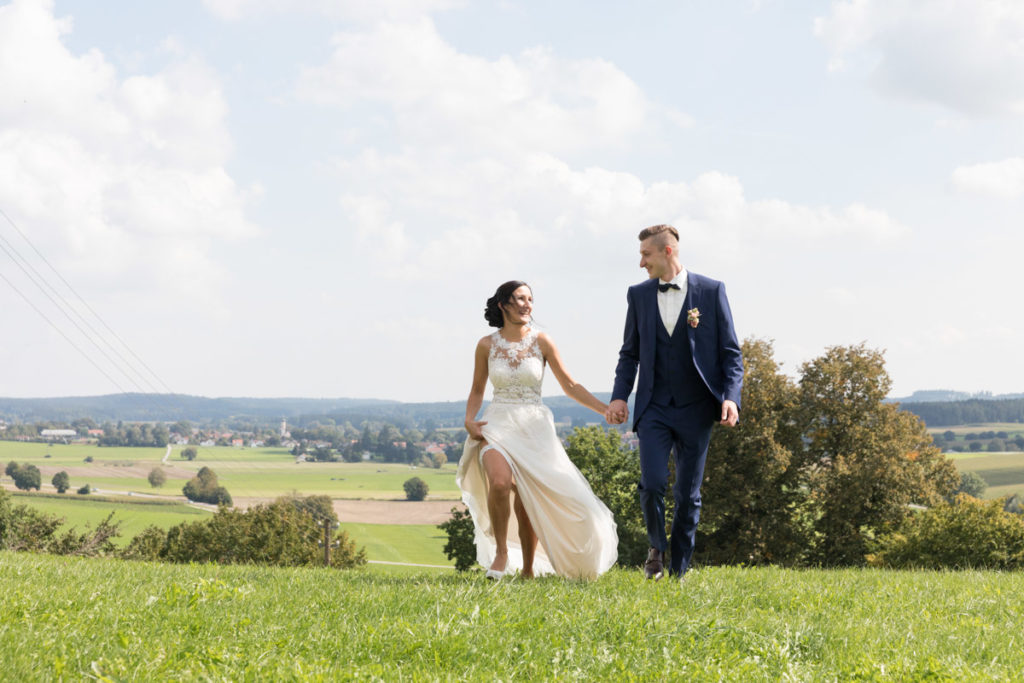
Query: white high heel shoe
{"type": "Point", "coordinates": [495, 575]}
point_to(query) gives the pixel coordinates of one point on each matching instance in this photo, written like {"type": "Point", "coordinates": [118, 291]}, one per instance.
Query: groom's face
{"type": "Point", "coordinates": [655, 259]}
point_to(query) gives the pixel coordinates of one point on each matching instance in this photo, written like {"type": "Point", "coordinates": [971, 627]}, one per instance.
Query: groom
{"type": "Point", "coordinates": [679, 333]}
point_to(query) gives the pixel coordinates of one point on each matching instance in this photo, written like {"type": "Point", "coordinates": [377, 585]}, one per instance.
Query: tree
{"type": "Point", "coordinates": [461, 543]}
{"type": "Point", "coordinates": [189, 453]}
{"type": "Point", "coordinates": [84, 490]}
{"type": "Point", "coordinates": [157, 477]}
{"type": "Point", "coordinates": [203, 488]}
{"type": "Point", "coordinates": [756, 507]}
{"type": "Point", "coordinates": [439, 460]}
{"type": "Point", "coordinates": [27, 477]}
{"type": "Point", "coordinates": [613, 470]}
{"type": "Point", "coordinates": [61, 482]}
{"type": "Point", "coordinates": [866, 460]}
{"type": "Point", "coordinates": [415, 489]}
{"type": "Point", "coordinates": [972, 484]}
{"type": "Point", "coordinates": [12, 466]}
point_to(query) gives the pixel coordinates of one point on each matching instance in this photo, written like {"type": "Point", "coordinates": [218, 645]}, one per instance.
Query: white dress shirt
{"type": "Point", "coordinates": [670, 302]}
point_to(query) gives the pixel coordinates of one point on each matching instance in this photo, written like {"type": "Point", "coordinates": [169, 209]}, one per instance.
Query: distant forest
{"type": "Point", "coordinates": [937, 414]}
{"type": "Point", "coordinates": [302, 411]}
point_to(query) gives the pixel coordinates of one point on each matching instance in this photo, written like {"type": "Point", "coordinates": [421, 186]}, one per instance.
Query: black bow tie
{"type": "Point", "coordinates": [665, 286]}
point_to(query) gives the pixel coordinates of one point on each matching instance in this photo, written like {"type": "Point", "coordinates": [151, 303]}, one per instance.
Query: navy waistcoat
{"type": "Point", "coordinates": [676, 380]}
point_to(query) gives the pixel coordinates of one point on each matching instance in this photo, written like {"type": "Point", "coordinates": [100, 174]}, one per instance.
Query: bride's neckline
{"type": "Point", "coordinates": [526, 335]}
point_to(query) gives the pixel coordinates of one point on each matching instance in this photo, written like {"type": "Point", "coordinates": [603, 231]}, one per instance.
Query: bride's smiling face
{"type": "Point", "coordinates": [518, 308]}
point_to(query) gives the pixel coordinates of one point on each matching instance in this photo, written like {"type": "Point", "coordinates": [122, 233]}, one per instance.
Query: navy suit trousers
{"type": "Point", "coordinates": [686, 432]}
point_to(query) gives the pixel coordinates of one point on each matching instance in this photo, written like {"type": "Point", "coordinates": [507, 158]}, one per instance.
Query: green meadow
{"type": "Point", "coordinates": [67, 618]}
{"type": "Point", "coordinates": [1003, 472]}
{"type": "Point", "coordinates": [245, 472]}
{"type": "Point", "coordinates": [82, 511]}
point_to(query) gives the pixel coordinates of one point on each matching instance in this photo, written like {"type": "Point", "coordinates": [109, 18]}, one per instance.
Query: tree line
{"type": "Point", "coordinates": [943, 414]}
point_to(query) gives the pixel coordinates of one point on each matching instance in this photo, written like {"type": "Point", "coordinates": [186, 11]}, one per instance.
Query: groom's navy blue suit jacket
{"type": "Point", "coordinates": [713, 343]}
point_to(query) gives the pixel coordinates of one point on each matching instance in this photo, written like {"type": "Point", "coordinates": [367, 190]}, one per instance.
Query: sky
{"type": "Point", "coordinates": [315, 198]}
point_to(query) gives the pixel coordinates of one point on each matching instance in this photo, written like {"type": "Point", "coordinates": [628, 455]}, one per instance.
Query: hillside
{"type": "Point", "coordinates": [71, 619]}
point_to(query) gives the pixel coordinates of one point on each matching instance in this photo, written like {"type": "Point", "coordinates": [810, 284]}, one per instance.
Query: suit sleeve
{"type": "Point", "coordinates": [730, 356]}
{"type": "Point", "coordinates": [629, 354]}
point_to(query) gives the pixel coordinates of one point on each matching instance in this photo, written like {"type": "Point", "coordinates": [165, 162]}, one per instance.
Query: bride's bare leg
{"type": "Point", "coordinates": [499, 486]}
{"type": "Point", "coordinates": [527, 537]}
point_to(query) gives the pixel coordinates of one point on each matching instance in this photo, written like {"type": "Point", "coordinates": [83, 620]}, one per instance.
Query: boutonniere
{"type": "Point", "coordinates": [693, 317]}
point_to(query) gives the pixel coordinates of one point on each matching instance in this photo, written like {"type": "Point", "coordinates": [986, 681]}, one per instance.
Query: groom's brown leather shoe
{"type": "Point", "coordinates": [654, 568]}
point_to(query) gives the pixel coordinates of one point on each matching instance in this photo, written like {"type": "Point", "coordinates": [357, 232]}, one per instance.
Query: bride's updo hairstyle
{"type": "Point", "coordinates": [492, 314]}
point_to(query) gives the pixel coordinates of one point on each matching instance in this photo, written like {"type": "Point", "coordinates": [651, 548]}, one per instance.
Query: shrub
{"type": "Point", "coordinates": [966, 534]}
{"type": "Point", "coordinates": [61, 482]}
{"type": "Point", "coordinates": [189, 453]}
{"type": "Point", "coordinates": [439, 460]}
{"type": "Point", "coordinates": [461, 544]}
{"type": "Point", "coordinates": [278, 534]}
{"type": "Point", "coordinates": [147, 545]}
{"type": "Point", "coordinates": [85, 490]}
{"type": "Point", "coordinates": [25, 529]}
{"type": "Point", "coordinates": [972, 484]}
{"type": "Point", "coordinates": [12, 466]}
{"type": "Point", "coordinates": [203, 488]}
{"type": "Point", "coordinates": [415, 489]}
{"type": "Point", "coordinates": [157, 477]}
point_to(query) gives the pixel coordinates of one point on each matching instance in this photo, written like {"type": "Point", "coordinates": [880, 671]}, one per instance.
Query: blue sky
{"type": "Point", "coordinates": [313, 198]}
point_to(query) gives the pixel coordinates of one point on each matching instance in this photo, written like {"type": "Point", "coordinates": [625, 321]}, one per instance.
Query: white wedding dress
{"type": "Point", "coordinates": [575, 529]}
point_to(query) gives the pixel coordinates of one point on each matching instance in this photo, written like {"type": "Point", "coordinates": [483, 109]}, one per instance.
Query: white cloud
{"type": "Point", "coordinates": [533, 101]}
{"type": "Point", "coordinates": [967, 55]}
{"type": "Point", "coordinates": [115, 179]}
{"type": "Point", "coordinates": [1003, 179]}
{"type": "Point", "coordinates": [353, 10]}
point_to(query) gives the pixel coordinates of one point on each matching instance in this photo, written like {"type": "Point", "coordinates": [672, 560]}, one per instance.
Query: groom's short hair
{"type": "Point", "coordinates": [661, 232]}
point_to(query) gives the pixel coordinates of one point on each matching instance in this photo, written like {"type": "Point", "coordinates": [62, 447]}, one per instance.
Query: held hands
{"type": "Point", "coordinates": [474, 429]}
{"type": "Point", "coordinates": [617, 412]}
{"type": "Point", "coordinates": [730, 413]}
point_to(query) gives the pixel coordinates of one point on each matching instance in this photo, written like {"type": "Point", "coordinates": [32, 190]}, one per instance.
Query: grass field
{"type": "Point", "coordinates": [74, 619]}
{"type": "Point", "coordinates": [1003, 472]}
{"type": "Point", "coordinates": [245, 472]}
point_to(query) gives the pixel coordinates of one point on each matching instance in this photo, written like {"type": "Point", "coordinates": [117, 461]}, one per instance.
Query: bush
{"type": "Point", "coordinates": [439, 460]}
{"type": "Point", "coordinates": [12, 466]}
{"type": "Point", "coordinates": [461, 543]}
{"type": "Point", "coordinates": [972, 484]}
{"type": "Point", "coordinates": [189, 453]}
{"type": "Point", "coordinates": [25, 529]}
{"type": "Point", "coordinates": [85, 490]}
{"type": "Point", "coordinates": [61, 482]}
{"type": "Point", "coordinates": [415, 489]}
{"type": "Point", "coordinates": [278, 534]}
{"type": "Point", "coordinates": [968, 534]}
{"type": "Point", "coordinates": [27, 477]}
{"type": "Point", "coordinates": [203, 488]}
{"type": "Point", "coordinates": [157, 477]}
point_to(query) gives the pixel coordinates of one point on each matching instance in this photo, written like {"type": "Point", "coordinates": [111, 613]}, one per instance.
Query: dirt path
{"type": "Point", "coordinates": [395, 511]}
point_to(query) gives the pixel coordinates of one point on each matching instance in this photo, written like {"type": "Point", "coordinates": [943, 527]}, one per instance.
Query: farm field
{"type": "Point", "coordinates": [1003, 472]}
{"type": "Point", "coordinates": [115, 620]}
{"type": "Point", "coordinates": [260, 473]}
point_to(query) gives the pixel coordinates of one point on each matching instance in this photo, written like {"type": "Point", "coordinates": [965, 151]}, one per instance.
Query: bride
{"type": "Point", "coordinates": [513, 448]}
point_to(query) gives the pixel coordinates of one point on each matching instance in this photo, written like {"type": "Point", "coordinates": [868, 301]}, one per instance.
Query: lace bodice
{"type": "Point", "coordinates": [516, 369]}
